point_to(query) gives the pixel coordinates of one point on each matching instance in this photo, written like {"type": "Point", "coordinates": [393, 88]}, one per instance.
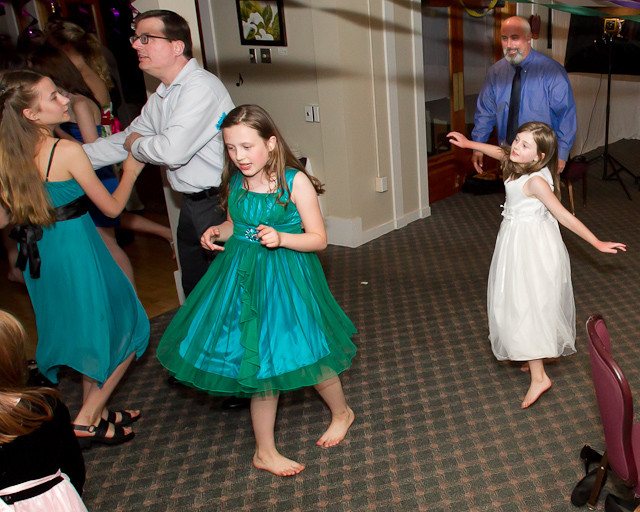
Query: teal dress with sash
{"type": "Point", "coordinates": [260, 320]}
{"type": "Point", "coordinates": [88, 315]}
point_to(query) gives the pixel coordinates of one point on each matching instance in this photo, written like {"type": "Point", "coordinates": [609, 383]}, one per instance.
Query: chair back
{"type": "Point", "coordinates": [575, 170]}
{"type": "Point", "coordinates": [614, 400]}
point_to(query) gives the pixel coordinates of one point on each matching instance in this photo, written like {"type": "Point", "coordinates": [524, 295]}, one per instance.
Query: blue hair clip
{"type": "Point", "coordinates": [224, 114]}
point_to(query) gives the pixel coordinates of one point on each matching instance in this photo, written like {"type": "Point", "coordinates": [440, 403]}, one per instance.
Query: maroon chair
{"type": "Point", "coordinates": [621, 435]}
{"type": "Point", "coordinates": [575, 170]}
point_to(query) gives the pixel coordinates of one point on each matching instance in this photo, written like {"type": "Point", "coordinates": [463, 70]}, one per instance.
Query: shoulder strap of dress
{"type": "Point", "coordinates": [46, 178]}
{"type": "Point", "coordinates": [290, 173]}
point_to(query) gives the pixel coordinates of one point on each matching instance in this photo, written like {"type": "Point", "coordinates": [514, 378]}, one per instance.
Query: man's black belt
{"type": "Point", "coordinates": [28, 236]}
{"type": "Point", "coordinates": [203, 194]}
{"type": "Point", "coordinates": [32, 492]}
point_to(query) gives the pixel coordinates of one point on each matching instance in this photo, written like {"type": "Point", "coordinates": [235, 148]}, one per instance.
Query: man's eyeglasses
{"type": "Point", "coordinates": [144, 38]}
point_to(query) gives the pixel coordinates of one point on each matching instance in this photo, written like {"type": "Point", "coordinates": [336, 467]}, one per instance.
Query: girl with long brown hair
{"type": "Point", "coordinates": [262, 320]}
{"type": "Point", "coordinates": [87, 314]}
{"type": "Point", "coordinates": [41, 466]}
{"type": "Point", "coordinates": [85, 51]}
{"type": "Point", "coordinates": [530, 298]}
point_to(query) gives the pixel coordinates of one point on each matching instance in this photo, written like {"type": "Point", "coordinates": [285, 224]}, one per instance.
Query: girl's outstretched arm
{"type": "Point", "coordinates": [457, 139]}
{"type": "Point", "coordinates": [314, 238]}
{"type": "Point", "coordinates": [537, 187]}
{"type": "Point", "coordinates": [219, 233]}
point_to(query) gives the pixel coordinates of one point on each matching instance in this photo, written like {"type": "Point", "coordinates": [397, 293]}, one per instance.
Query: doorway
{"type": "Point", "coordinates": [458, 50]}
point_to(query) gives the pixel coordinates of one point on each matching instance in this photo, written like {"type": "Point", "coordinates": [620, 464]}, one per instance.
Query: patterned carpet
{"type": "Point", "coordinates": [438, 420]}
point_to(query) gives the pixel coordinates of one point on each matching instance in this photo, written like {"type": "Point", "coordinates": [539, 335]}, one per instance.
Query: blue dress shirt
{"type": "Point", "coordinates": [546, 97]}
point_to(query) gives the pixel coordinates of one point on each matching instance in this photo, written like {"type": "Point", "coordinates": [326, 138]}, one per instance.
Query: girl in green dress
{"type": "Point", "coordinates": [262, 320]}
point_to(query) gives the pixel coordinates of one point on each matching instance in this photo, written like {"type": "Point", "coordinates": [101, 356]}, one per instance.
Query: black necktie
{"type": "Point", "coordinates": [514, 106]}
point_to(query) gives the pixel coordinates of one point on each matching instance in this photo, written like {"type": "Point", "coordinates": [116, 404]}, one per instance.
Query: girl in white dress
{"type": "Point", "coordinates": [530, 298]}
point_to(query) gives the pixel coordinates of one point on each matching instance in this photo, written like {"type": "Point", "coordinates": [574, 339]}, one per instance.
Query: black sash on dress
{"type": "Point", "coordinates": [28, 236]}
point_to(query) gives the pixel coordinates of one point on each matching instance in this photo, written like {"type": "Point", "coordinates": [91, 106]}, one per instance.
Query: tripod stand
{"type": "Point", "coordinates": [609, 160]}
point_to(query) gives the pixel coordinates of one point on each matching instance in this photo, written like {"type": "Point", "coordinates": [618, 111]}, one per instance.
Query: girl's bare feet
{"type": "Point", "coordinates": [535, 390]}
{"type": "Point", "coordinates": [277, 464]}
{"type": "Point", "coordinates": [337, 430]}
{"type": "Point", "coordinates": [525, 367]}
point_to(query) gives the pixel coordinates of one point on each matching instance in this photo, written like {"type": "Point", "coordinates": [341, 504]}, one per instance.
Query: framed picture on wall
{"type": "Point", "coordinates": [261, 23]}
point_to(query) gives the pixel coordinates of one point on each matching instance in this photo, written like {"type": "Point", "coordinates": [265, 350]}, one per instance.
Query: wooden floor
{"type": "Point", "coordinates": [153, 266]}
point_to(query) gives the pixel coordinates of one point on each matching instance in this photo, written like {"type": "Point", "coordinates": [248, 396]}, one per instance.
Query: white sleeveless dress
{"type": "Point", "coordinates": [530, 298]}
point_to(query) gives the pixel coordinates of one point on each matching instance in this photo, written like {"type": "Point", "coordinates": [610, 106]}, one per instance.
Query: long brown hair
{"type": "Point", "coordinates": [21, 188]}
{"type": "Point", "coordinates": [547, 144]}
{"type": "Point", "coordinates": [280, 158]}
{"type": "Point", "coordinates": [54, 63]}
{"type": "Point", "coordinates": [22, 409]}
{"type": "Point", "coordinates": [62, 32]}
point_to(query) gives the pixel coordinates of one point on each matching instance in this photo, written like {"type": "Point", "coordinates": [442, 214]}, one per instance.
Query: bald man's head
{"type": "Point", "coordinates": [516, 39]}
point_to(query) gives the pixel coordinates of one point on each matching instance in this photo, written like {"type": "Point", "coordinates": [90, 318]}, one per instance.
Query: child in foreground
{"type": "Point", "coordinates": [262, 320]}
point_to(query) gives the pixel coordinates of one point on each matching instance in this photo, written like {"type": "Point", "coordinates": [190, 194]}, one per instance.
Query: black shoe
{"type": "Point", "coordinates": [36, 379]}
{"type": "Point", "coordinates": [100, 435]}
{"type": "Point", "coordinates": [173, 381]}
{"type": "Point", "coordinates": [614, 503]}
{"type": "Point", "coordinates": [589, 456]}
{"type": "Point", "coordinates": [582, 490]}
{"type": "Point", "coordinates": [233, 402]}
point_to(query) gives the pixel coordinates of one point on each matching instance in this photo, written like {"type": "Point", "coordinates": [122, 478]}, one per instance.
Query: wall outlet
{"type": "Point", "coordinates": [308, 113]}
{"type": "Point", "coordinates": [381, 184]}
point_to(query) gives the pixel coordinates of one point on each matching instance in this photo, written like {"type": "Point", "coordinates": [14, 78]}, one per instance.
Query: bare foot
{"type": "Point", "coordinates": [535, 390]}
{"type": "Point", "coordinates": [550, 360]}
{"type": "Point", "coordinates": [337, 430]}
{"type": "Point", "coordinates": [277, 464]}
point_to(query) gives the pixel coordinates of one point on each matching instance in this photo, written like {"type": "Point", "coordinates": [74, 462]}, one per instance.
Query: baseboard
{"type": "Point", "coordinates": [349, 232]}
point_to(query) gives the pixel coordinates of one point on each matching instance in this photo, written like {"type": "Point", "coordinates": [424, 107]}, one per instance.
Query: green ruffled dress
{"type": "Point", "coordinates": [260, 320]}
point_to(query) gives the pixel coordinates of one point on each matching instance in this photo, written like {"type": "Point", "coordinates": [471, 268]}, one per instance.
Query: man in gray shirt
{"type": "Point", "coordinates": [177, 128]}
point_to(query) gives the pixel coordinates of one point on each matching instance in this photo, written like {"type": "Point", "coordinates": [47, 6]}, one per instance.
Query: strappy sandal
{"type": "Point", "coordinates": [100, 435]}
{"type": "Point", "coordinates": [127, 418]}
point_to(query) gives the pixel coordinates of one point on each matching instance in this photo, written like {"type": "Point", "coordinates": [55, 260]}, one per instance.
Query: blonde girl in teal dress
{"type": "Point", "coordinates": [262, 320]}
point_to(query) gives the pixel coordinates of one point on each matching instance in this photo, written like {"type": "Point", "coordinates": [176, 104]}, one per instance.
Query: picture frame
{"type": "Point", "coordinates": [261, 23]}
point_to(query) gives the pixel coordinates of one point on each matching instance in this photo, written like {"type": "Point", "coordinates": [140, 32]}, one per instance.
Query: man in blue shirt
{"type": "Point", "coordinates": [545, 95]}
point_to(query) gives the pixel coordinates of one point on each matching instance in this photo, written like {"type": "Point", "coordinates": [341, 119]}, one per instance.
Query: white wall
{"type": "Point", "coordinates": [357, 62]}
